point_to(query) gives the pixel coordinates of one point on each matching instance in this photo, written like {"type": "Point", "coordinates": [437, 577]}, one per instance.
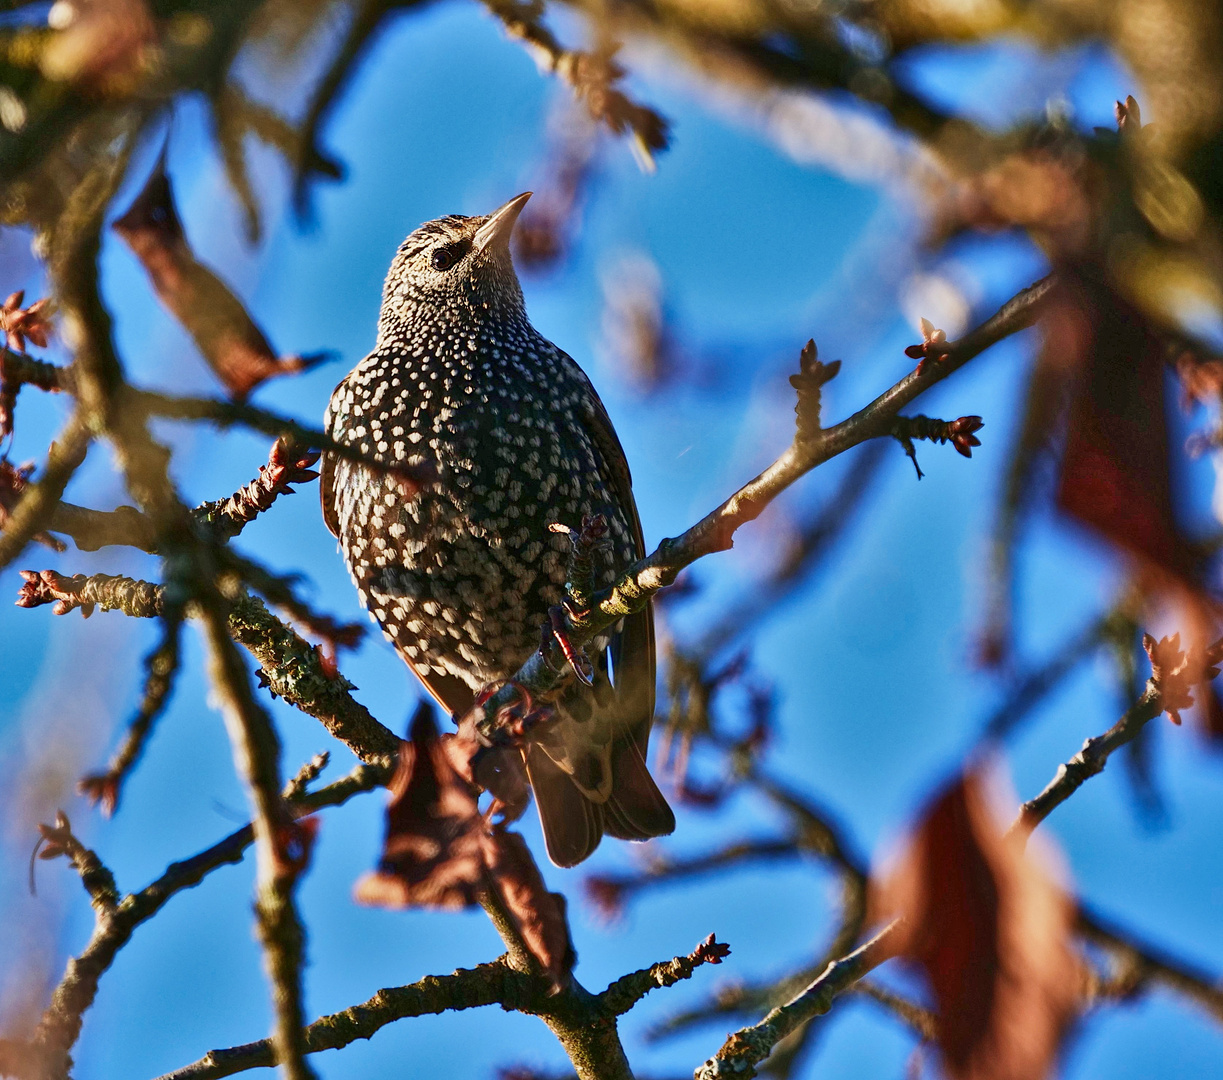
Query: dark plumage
{"type": "Point", "coordinates": [460, 577]}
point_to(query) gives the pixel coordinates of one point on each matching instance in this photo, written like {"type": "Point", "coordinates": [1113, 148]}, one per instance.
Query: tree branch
{"type": "Point", "coordinates": [746, 1048]}
{"type": "Point", "coordinates": [118, 918]}
{"type": "Point", "coordinates": [629, 989]}
{"type": "Point", "coordinates": [33, 512]}
{"type": "Point", "coordinates": [228, 413]}
{"type": "Point", "coordinates": [1089, 761]}
{"type": "Point", "coordinates": [495, 983]}
{"type": "Point", "coordinates": [812, 446]}
{"type": "Point", "coordinates": [290, 667]}
{"type": "Point", "coordinates": [1152, 963]}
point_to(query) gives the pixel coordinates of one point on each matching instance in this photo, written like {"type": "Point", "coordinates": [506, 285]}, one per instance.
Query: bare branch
{"type": "Point", "coordinates": [591, 75]}
{"type": "Point", "coordinates": [161, 666]}
{"type": "Point", "coordinates": [495, 983]}
{"type": "Point", "coordinates": [746, 1048]}
{"type": "Point", "coordinates": [812, 446]}
{"type": "Point", "coordinates": [1173, 673]}
{"type": "Point", "coordinates": [294, 670]}
{"type": "Point", "coordinates": [139, 599]}
{"type": "Point", "coordinates": [286, 466]}
{"type": "Point", "coordinates": [282, 850]}
{"type": "Point", "coordinates": [290, 667]}
{"type": "Point", "coordinates": [1149, 962]}
{"type": "Point", "coordinates": [118, 918]}
{"type": "Point", "coordinates": [626, 991]}
{"type": "Point", "coordinates": [228, 413]}
{"type": "Point", "coordinates": [32, 514]}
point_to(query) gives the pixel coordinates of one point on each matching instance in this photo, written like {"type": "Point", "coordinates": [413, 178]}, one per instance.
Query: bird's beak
{"type": "Point", "coordinates": [496, 230]}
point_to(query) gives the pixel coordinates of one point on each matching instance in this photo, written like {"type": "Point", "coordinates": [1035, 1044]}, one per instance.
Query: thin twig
{"type": "Point", "coordinates": [290, 667]}
{"type": "Point", "coordinates": [629, 989]}
{"type": "Point", "coordinates": [495, 983]}
{"type": "Point", "coordinates": [1152, 963]}
{"type": "Point", "coordinates": [257, 756]}
{"type": "Point", "coordinates": [812, 446]}
{"type": "Point", "coordinates": [33, 512]}
{"type": "Point", "coordinates": [1089, 761]}
{"type": "Point", "coordinates": [746, 1048]}
{"type": "Point", "coordinates": [228, 413]}
{"type": "Point", "coordinates": [119, 917]}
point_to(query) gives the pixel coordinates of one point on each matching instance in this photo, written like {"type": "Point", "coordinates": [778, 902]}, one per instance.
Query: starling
{"type": "Point", "coordinates": [461, 575]}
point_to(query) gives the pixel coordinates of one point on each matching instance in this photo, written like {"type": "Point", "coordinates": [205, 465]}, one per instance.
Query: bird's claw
{"type": "Point", "coordinates": [554, 630]}
{"type": "Point", "coordinates": [513, 721]}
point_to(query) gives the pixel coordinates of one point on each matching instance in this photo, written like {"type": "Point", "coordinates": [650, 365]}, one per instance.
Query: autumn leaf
{"type": "Point", "coordinates": [227, 337]}
{"type": "Point", "coordinates": [538, 914]}
{"type": "Point", "coordinates": [441, 852]}
{"type": "Point", "coordinates": [1115, 470]}
{"type": "Point", "coordinates": [991, 934]}
{"type": "Point", "coordinates": [433, 855]}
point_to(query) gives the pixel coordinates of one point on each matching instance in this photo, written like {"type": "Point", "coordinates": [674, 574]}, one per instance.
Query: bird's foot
{"type": "Point", "coordinates": [554, 630]}
{"type": "Point", "coordinates": [513, 721]}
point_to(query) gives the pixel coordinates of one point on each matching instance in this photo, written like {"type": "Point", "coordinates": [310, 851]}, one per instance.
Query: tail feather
{"type": "Point", "coordinates": [572, 824]}
{"type": "Point", "coordinates": [636, 809]}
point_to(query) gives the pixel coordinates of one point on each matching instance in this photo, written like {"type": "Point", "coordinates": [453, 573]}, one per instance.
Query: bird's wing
{"type": "Point", "coordinates": [326, 480]}
{"type": "Point", "coordinates": [449, 691]}
{"type": "Point", "coordinates": [633, 649]}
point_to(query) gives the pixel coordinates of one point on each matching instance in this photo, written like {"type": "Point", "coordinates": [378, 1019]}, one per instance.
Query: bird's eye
{"type": "Point", "coordinates": [445, 257]}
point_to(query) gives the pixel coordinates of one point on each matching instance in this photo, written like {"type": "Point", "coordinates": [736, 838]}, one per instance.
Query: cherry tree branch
{"type": "Point", "coordinates": [119, 916]}
{"type": "Point", "coordinates": [811, 447]}
{"type": "Point", "coordinates": [1089, 761]}
{"type": "Point", "coordinates": [289, 666]}
{"type": "Point", "coordinates": [499, 982]}
{"type": "Point", "coordinates": [746, 1048]}
{"type": "Point", "coordinates": [1173, 675]}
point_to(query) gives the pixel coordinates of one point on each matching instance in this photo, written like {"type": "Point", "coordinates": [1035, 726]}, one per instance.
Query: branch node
{"type": "Point", "coordinates": [809, 382]}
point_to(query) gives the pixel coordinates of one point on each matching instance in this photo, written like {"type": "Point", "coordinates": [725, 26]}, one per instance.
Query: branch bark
{"type": "Point", "coordinates": [745, 1049]}
{"type": "Point", "coordinates": [1089, 761]}
{"type": "Point", "coordinates": [812, 446]}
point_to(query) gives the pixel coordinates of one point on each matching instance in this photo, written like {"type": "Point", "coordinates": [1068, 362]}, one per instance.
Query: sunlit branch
{"type": "Point", "coordinates": [746, 1048]}
{"type": "Point", "coordinates": [500, 982]}
{"type": "Point", "coordinates": [814, 539]}
{"type": "Point", "coordinates": [118, 917]}
{"type": "Point", "coordinates": [290, 667]}
{"type": "Point", "coordinates": [629, 989]}
{"type": "Point", "coordinates": [812, 446]}
{"type": "Point", "coordinates": [1090, 760]}
{"type": "Point", "coordinates": [495, 983]}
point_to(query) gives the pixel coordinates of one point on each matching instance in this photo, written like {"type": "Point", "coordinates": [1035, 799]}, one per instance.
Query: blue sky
{"type": "Point", "coordinates": [878, 698]}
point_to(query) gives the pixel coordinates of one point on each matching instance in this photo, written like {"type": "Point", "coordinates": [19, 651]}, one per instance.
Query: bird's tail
{"type": "Point", "coordinates": [574, 822]}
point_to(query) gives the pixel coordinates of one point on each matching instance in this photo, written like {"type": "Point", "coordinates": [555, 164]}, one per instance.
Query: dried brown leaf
{"type": "Point", "coordinates": [991, 933]}
{"type": "Point", "coordinates": [433, 855]}
{"type": "Point", "coordinates": [19, 323]}
{"type": "Point", "coordinates": [538, 914]}
{"type": "Point", "coordinates": [226, 335]}
{"type": "Point", "coordinates": [1115, 469]}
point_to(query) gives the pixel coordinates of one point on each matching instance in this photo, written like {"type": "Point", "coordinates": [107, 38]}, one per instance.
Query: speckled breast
{"type": "Point", "coordinates": [461, 575]}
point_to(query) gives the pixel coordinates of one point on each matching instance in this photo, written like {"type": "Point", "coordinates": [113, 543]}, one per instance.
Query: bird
{"type": "Point", "coordinates": [461, 574]}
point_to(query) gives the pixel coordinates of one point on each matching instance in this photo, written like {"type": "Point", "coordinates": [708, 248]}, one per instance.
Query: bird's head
{"type": "Point", "coordinates": [455, 268]}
